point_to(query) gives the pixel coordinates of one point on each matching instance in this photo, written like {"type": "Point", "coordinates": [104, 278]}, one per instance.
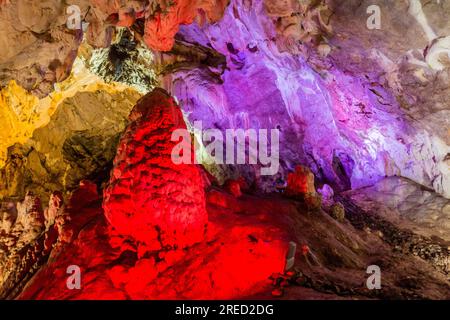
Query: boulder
{"type": "Point", "coordinates": [300, 182]}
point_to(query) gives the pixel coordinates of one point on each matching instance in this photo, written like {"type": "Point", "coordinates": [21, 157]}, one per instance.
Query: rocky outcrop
{"type": "Point", "coordinates": [165, 19]}
{"type": "Point", "coordinates": [31, 236]}
{"type": "Point", "coordinates": [303, 54]}
{"type": "Point", "coordinates": [22, 237]}
{"type": "Point", "coordinates": [240, 252]}
{"type": "Point", "coordinates": [365, 108]}
{"type": "Point", "coordinates": [37, 49]}
{"type": "Point", "coordinates": [39, 40]}
{"type": "Point", "coordinates": [79, 142]}
{"type": "Point", "coordinates": [431, 249]}
{"type": "Point", "coordinates": [126, 61]}
{"type": "Point", "coordinates": [330, 103]}
{"type": "Point", "coordinates": [404, 202]}
{"type": "Point", "coordinates": [300, 182]}
{"type": "Point", "coordinates": [400, 62]}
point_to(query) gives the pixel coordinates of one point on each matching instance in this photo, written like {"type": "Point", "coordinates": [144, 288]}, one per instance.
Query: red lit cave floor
{"type": "Point", "coordinates": [238, 252]}
{"type": "Point", "coordinates": [245, 244]}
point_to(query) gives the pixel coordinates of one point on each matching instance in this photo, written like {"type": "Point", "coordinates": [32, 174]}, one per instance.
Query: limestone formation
{"type": "Point", "coordinates": [366, 79]}
{"type": "Point", "coordinates": [150, 198]}
{"type": "Point", "coordinates": [39, 39]}
{"type": "Point", "coordinates": [87, 170]}
{"type": "Point", "coordinates": [79, 142]}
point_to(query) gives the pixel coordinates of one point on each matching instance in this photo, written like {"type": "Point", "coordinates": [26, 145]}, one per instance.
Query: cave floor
{"type": "Point", "coordinates": [331, 258]}
{"type": "Point", "coordinates": [387, 225]}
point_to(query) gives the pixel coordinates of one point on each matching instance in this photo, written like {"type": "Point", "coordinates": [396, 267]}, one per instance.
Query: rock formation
{"type": "Point", "coordinates": [149, 198]}
{"type": "Point", "coordinates": [157, 246]}
{"type": "Point", "coordinates": [97, 97]}
{"type": "Point", "coordinates": [39, 40]}
{"type": "Point", "coordinates": [78, 142]}
{"type": "Point", "coordinates": [331, 109]}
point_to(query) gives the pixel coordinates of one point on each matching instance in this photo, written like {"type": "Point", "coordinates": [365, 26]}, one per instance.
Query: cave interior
{"type": "Point", "coordinates": [224, 149]}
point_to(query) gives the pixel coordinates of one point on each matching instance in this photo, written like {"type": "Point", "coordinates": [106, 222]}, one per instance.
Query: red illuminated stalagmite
{"type": "Point", "coordinates": [163, 238]}
{"type": "Point", "coordinates": [151, 199]}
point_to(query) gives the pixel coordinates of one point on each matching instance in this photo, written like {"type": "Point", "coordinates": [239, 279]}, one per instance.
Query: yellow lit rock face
{"type": "Point", "coordinates": [17, 116]}
{"type": "Point", "coordinates": [21, 112]}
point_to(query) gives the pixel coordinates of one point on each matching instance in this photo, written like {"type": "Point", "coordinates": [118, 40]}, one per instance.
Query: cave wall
{"type": "Point", "coordinates": [78, 142]}
{"type": "Point", "coordinates": [353, 104]}
{"type": "Point", "coordinates": [349, 126]}
{"type": "Point", "coordinates": [38, 48]}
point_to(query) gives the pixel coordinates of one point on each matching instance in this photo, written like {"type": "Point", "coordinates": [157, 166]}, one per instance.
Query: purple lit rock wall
{"type": "Point", "coordinates": [349, 130]}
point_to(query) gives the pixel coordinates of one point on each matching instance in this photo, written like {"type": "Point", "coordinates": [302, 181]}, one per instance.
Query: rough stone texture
{"type": "Point", "coordinates": [333, 266]}
{"type": "Point", "coordinates": [149, 260]}
{"type": "Point", "coordinates": [150, 198]}
{"type": "Point", "coordinates": [401, 59]}
{"type": "Point", "coordinates": [113, 268]}
{"type": "Point", "coordinates": [54, 210]}
{"type": "Point", "coordinates": [432, 249]}
{"type": "Point", "coordinates": [22, 112]}
{"type": "Point", "coordinates": [327, 194]}
{"type": "Point", "coordinates": [332, 114]}
{"type": "Point", "coordinates": [164, 22]}
{"type": "Point", "coordinates": [37, 236]}
{"type": "Point", "coordinates": [313, 201]}
{"type": "Point", "coordinates": [300, 182]}
{"type": "Point", "coordinates": [233, 187]}
{"type": "Point", "coordinates": [242, 229]}
{"type": "Point", "coordinates": [394, 55]}
{"type": "Point", "coordinates": [38, 49]}
{"type": "Point", "coordinates": [126, 61]}
{"type": "Point", "coordinates": [21, 241]}
{"type": "Point", "coordinates": [79, 142]}
{"type": "Point", "coordinates": [246, 230]}
{"type": "Point", "coordinates": [303, 54]}
{"type": "Point", "coordinates": [355, 105]}
{"type": "Point", "coordinates": [406, 203]}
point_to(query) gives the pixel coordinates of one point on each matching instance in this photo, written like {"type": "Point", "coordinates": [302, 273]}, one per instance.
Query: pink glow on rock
{"type": "Point", "coordinates": [329, 121]}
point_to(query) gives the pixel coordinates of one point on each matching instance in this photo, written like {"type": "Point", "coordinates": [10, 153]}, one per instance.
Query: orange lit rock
{"type": "Point", "coordinates": [161, 28]}
{"type": "Point", "coordinates": [300, 182]}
